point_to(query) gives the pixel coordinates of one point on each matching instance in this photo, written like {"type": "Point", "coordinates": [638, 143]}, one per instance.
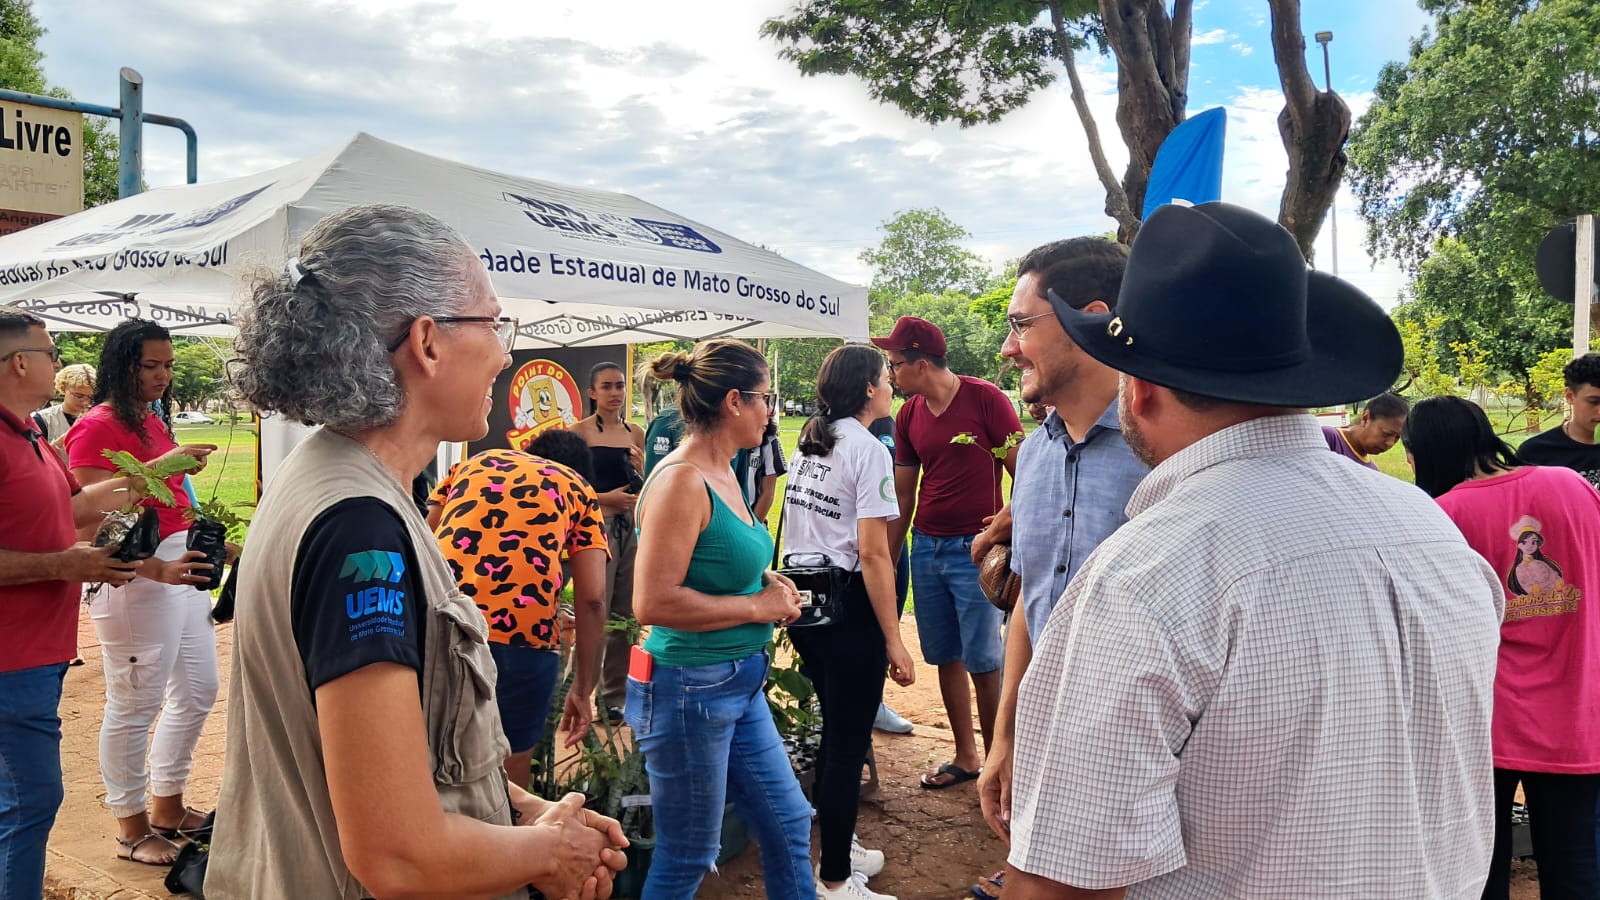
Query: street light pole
{"type": "Point", "coordinates": [1325, 38]}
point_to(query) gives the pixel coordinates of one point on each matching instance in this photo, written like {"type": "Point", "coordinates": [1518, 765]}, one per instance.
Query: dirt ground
{"type": "Point", "coordinates": [936, 842]}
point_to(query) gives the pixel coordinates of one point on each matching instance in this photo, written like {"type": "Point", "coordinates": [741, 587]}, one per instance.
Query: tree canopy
{"type": "Point", "coordinates": [1473, 148]}
{"type": "Point", "coordinates": [1468, 311]}
{"type": "Point", "coordinates": [922, 253]}
{"type": "Point", "coordinates": [1489, 132]}
{"type": "Point", "coordinates": [22, 69]}
{"type": "Point", "coordinates": [974, 62]}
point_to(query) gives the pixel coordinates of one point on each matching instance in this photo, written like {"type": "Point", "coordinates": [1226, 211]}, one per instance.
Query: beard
{"type": "Point", "coordinates": [1030, 393]}
{"type": "Point", "coordinates": [1131, 434]}
{"type": "Point", "coordinates": [1042, 388]}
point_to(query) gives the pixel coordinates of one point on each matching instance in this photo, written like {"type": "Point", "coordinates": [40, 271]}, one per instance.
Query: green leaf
{"type": "Point", "coordinates": [150, 480]}
{"type": "Point", "coordinates": [173, 465]}
{"type": "Point", "coordinates": [159, 490]}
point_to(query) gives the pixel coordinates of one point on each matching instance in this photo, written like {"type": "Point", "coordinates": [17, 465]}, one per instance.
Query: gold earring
{"type": "Point", "coordinates": [737, 413]}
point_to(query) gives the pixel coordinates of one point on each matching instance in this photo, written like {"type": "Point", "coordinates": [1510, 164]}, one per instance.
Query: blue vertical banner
{"type": "Point", "coordinates": [1188, 167]}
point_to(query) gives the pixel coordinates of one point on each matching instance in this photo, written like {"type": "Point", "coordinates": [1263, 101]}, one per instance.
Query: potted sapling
{"type": "Point", "coordinates": [133, 530]}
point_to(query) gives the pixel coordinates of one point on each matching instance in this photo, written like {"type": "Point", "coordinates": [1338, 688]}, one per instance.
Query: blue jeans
{"type": "Point", "coordinates": [30, 774]}
{"type": "Point", "coordinates": [955, 622]}
{"type": "Point", "coordinates": [707, 737]}
{"type": "Point", "coordinates": [523, 688]}
{"type": "Point", "coordinates": [902, 579]}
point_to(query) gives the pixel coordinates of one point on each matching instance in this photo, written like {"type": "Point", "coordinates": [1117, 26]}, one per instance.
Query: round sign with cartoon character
{"type": "Point", "coordinates": [544, 395]}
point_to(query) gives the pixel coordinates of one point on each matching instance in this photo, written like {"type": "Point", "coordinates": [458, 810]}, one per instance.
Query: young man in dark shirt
{"type": "Point", "coordinates": [1572, 444]}
{"type": "Point", "coordinates": [960, 434]}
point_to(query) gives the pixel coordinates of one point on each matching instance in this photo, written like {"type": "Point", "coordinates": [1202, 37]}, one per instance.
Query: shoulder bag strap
{"type": "Point", "coordinates": [777, 541]}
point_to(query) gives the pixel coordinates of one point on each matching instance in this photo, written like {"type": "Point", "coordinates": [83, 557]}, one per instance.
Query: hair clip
{"type": "Point", "coordinates": [297, 271]}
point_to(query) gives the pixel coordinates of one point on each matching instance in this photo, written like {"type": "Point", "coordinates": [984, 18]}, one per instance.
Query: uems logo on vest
{"type": "Point", "coordinates": [369, 566]}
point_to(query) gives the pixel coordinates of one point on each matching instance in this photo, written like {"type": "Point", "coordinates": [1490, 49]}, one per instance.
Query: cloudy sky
{"type": "Point", "coordinates": [681, 104]}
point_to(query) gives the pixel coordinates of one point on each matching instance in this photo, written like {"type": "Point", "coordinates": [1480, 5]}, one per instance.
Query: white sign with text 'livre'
{"type": "Point", "coordinates": [41, 159]}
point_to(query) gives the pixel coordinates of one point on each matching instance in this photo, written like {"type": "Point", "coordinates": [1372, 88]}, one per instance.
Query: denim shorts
{"type": "Point", "coordinates": [528, 677]}
{"type": "Point", "coordinates": [955, 622]}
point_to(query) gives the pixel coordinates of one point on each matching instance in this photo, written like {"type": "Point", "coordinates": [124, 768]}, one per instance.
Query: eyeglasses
{"type": "Point", "coordinates": [891, 366]}
{"type": "Point", "coordinates": [1018, 324]}
{"type": "Point", "coordinates": [55, 352]}
{"type": "Point", "coordinates": [771, 397]}
{"type": "Point", "coordinates": [505, 328]}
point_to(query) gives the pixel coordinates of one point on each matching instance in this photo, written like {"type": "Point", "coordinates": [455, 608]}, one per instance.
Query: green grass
{"type": "Point", "coordinates": [230, 473]}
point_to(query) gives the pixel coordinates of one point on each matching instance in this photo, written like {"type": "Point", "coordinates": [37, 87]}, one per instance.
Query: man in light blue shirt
{"type": "Point", "coordinates": [1071, 498]}
{"type": "Point", "coordinates": [1074, 473]}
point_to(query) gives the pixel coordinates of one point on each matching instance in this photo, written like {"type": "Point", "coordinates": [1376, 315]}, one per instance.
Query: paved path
{"type": "Point", "coordinates": [82, 862]}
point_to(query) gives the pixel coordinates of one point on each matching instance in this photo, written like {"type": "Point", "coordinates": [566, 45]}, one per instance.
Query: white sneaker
{"type": "Point", "coordinates": [867, 862]}
{"type": "Point", "coordinates": [853, 889]}
{"type": "Point", "coordinates": [891, 721]}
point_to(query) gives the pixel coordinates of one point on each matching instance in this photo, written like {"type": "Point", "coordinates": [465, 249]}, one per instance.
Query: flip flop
{"type": "Point", "coordinates": [957, 775]}
{"type": "Point", "coordinates": [990, 888]}
{"type": "Point", "coordinates": [127, 849]}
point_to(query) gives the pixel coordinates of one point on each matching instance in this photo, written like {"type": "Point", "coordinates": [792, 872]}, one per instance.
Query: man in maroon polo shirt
{"type": "Point", "coordinates": [959, 433]}
{"type": "Point", "coordinates": [41, 572]}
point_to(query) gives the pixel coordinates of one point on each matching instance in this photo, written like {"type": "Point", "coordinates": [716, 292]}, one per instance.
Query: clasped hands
{"type": "Point", "coordinates": [583, 847]}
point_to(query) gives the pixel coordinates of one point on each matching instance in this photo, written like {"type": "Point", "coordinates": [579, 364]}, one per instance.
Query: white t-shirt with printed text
{"type": "Point", "coordinates": [827, 495]}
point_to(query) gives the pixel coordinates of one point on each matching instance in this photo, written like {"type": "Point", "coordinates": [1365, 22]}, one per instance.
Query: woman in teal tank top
{"type": "Point", "coordinates": [695, 698]}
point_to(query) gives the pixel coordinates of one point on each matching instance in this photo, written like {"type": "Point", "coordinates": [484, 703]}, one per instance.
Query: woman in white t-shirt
{"type": "Point", "coordinates": [839, 500]}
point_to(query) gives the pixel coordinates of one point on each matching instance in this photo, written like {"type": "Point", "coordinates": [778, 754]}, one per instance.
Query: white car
{"type": "Point", "coordinates": [193, 418]}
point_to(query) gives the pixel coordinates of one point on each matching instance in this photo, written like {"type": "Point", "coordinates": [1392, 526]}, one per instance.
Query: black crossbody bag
{"type": "Point", "coordinates": [822, 584]}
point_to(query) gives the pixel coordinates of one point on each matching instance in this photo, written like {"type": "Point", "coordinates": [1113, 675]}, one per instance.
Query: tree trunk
{"type": "Point", "coordinates": [1314, 125]}
{"type": "Point", "coordinates": [1117, 206]}
{"type": "Point", "coordinates": [1152, 52]}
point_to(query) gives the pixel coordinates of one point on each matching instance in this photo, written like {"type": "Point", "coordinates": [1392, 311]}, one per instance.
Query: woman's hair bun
{"type": "Point", "coordinates": [673, 365]}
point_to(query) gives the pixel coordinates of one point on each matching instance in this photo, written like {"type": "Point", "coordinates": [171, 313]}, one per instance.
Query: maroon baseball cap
{"type": "Point", "coordinates": [912, 333]}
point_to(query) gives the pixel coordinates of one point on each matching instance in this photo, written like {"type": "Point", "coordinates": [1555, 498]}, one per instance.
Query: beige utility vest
{"type": "Point", "coordinates": [275, 832]}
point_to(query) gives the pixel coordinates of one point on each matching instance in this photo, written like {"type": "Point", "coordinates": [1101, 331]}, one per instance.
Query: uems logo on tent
{"type": "Point", "coordinates": [609, 228]}
{"type": "Point", "coordinates": [161, 223]}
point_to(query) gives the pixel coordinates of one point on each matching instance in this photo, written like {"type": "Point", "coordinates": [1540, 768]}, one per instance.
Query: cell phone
{"type": "Point", "coordinates": [641, 665]}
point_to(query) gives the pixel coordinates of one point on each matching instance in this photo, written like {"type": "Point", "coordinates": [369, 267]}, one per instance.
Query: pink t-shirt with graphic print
{"type": "Point", "coordinates": [1539, 528]}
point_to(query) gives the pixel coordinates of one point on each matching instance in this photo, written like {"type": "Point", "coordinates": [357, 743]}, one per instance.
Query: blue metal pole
{"type": "Point", "coordinates": [130, 149]}
{"type": "Point", "coordinates": [111, 112]}
{"type": "Point", "coordinates": [192, 154]}
{"type": "Point", "coordinates": [92, 109]}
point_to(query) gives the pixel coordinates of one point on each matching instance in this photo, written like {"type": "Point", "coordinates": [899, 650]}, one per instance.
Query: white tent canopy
{"type": "Point", "coordinates": [577, 267]}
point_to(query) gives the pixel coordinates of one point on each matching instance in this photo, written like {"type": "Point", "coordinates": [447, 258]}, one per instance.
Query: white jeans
{"type": "Point", "coordinates": [160, 658]}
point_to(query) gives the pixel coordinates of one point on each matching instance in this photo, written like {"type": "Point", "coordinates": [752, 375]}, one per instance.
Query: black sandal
{"type": "Point", "coordinates": [178, 833]}
{"type": "Point", "coordinates": [127, 849]}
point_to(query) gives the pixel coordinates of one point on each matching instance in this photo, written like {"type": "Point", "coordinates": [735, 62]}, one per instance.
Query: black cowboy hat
{"type": "Point", "coordinates": [1217, 301]}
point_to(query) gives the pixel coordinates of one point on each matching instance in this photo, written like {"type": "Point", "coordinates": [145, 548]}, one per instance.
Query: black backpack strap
{"type": "Point", "coordinates": [777, 542]}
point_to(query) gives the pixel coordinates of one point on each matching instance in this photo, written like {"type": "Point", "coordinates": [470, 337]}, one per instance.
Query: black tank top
{"type": "Point", "coordinates": [610, 468]}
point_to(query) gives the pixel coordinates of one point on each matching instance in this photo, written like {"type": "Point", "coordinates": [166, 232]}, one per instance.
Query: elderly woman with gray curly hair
{"type": "Point", "coordinates": [364, 746]}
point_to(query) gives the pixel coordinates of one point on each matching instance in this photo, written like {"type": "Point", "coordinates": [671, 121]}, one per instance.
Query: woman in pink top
{"type": "Point", "coordinates": [159, 654]}
{"type": "Point", "coordinates": [1539, 528]}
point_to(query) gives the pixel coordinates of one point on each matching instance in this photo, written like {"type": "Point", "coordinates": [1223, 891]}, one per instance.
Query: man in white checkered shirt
{"type": "Point", "coordinates": [1275, 681]}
